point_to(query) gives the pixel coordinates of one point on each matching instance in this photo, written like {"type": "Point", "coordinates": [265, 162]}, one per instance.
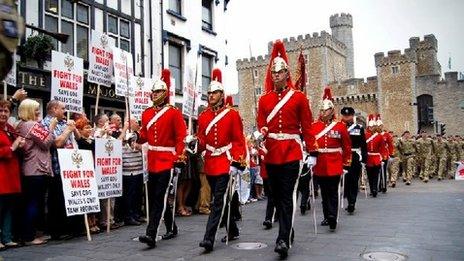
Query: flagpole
{"type": "Point", "coordinates": [255, 113]}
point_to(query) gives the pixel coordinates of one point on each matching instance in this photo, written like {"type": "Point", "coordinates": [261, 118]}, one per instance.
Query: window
{"type": "Point", "coordinates": [395, 69]}
{"type": "Point", "coordinates": [73, 20]}
{"type": "Point", "coordinates": [175, 6]}
{"type": "Point", "coordinates": [206, 68]}
{"type": "Point", "coordinates": [175, 65]}
{"type": "Point", "coordinates": [119, 30]}
{"type": "Point", "coordinates": [207, 14]}
{"type": "Point", "coordinates": [258, 91]}
{"type": "Point", "coordinates": [425, 109]}
{"type": "Point", "coordinates": [255, 73]}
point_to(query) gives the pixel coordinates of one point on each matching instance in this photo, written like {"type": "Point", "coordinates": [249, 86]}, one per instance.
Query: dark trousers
{"type": "Point", "coordinates": [303, 188]}
{"type": "Point", "coordinates": [383, 179]}
{"type": "Point", "coordinates": [158, 189]}
{"type": "Point", "coordinates": [283, 179]}
{"type": "Point", "coordinates": [132, 189]}
{"type": "Point", "coordinates": [329, 193]}
{"type": "Point", "coordinates": [33, 188]}
{"type": "Point", "coordinates": [373, 176]}
{"type": "Point", "coordinates": [219, 207]}
{"type": "Point", "coordinates": [58, 222]}
{"type": "Point", "coordinates": [8, 204]}
{"type": "Point", "coordinates": [270, 207]}
{"type": "Point", "coordinates": [352, 181]}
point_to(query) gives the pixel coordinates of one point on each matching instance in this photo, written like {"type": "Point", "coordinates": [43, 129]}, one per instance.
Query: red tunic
{"type": "Point", "coordinates": [389, 150]}
{"type": "Point", "coordinates": [168, 131]}
{"type": "Point", "coordinates": [9, 164]}
{"type": "Point", "coordinates": [262, 164]}
{"type": "Point", "coordinates": [375, 149]}
{"type": "Point", "coordinates": [330, 162]}
{"type": "Point", "coordinates": [228, 131]}
{"type": "Point", "coordinates": [293, 118]}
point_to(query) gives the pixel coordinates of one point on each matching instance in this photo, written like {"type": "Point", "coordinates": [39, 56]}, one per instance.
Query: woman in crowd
{"type": "Point", "coordinates": [36, 166]}
{"type": "Point", "coordinates": [10, 184]}
{"type": "Point", "coordinates": [87, 142]}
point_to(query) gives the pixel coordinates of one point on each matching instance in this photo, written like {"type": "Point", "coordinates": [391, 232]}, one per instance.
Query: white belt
{"type": "Point", "coordinates": [330, 150]}
{"type": "Point", "coordinates": [374, 154]}
{"type": "Point", "coordinates": [287, 136]}
{"type": "Point", "coordinates": [219, 151]}
{"type": "Point", "coordinates": [356, 150]}
{"type": "Point", "coordinates": [161, 148]}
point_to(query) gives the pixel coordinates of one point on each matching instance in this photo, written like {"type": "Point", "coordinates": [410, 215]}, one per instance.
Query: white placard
{"type": "Point", "coordinates": [188, 94]}
{"type": "Point", "coordinates": [142, 96]}
{"type": "Point", "coordinates": [108, 167]}
{"type": "Point", "coordinates": [123, 71]}
{"type": "Point", "coordinates": [459, 171]}
{"type": "Point", "coordinates": [79, 183]}
{"type": "Point", "coordinates": [10, 78]}
{"type": "Point", "coordinates": [68, 80]}
{"type": "Point", "coordinates": [100, 59]}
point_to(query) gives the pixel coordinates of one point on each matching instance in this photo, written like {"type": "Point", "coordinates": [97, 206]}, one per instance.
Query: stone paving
{"type": "Point", "coordinates": [421, 222]}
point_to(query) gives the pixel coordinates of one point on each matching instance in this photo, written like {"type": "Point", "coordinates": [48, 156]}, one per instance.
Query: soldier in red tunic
{"type": "Point", "coordinates": [375, 149]}
{"type": "Point", "coordinates": [386, 155]}
{"type": "Point", "coordinates": [334, 157]}
{"type": "Point", "coordinates": [220, 136]}
{"type": "Point", "coordinates": [164, 128]}
{"type": "Point", "coordinates": [284, 116]}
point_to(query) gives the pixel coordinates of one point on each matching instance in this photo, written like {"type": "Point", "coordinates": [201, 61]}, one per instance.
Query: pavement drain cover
{"type": "Point", "coordinates": [383, 256]}
{"type": "Point", "coordinates": [249, 245]}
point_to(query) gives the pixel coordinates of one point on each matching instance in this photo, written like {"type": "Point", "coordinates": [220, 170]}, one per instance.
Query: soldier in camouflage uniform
{"type": "Point", "coordinates": [424, 156]}
{"type": "Point", "coordinates": [407, 150]}
{"type": "Point", "coordinates": [441, 153]}
{"type": "Point", "coordinates": [453, 156]}
{"type": "Point", "coordinates": [460, 142]}
{"type": "Point", "coordinates": [433, 158]}
{"type": "Point", "coordinates": [394, 163]}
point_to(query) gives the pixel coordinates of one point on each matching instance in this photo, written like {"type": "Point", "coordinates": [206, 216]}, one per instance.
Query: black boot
{"type": "Point", "coordinates": [332, 224]}
{"type": "Point", "coordinates": [231, 238]}
{"type": "Point", "coordinates": [267, 224]}
{"type": "Point", "coordinates": [281, 248]}
{"type": "Point", "coordinates": [325, 222]}
{"type": "Point", "coordinates": [350, 208]}
{"type": "Point", "coordinates": [303, 210]}
{"type": "Point", "coordinates": [149, 240]}
{"type": "Point", "coordinates": [207, 245]}
{"type": "Point", "coordinates": [170, 234]}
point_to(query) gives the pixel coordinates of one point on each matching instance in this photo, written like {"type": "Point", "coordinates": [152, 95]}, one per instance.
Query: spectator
{"type": "Point", "coordinates": [204, 198]}
{"type": "Point", "coordinates": [36, 167]}
{"type": "Point", "coordinates": [9, 174]}
{"type": "Point", "coordinates": [60, 226]}
{"type": "Point", "coordinates": [102, 128]}
{"type": "Point", "coordinates": [86, 142]}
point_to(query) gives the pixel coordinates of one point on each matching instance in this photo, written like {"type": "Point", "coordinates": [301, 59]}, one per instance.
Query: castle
{"type": "Point", "coordinates": [408, 90]}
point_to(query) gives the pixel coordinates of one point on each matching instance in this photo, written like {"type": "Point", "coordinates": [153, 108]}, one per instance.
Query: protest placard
{"type": "Point", "coordinates": [108, 167]}
{"type": "Point", "coordinates": [100, 59]}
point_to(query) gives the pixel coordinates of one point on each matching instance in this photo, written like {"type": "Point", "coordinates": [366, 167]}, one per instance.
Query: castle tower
{"type": "Point", "coordinates": [341, 26]}
{"type": "Point", "coordinates": [426, 50]}
{"type": "Point", "coordinates": [396, 74]}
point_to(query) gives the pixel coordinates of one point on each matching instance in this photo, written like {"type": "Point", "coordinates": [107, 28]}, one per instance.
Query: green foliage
{"type": "Point", "coordinates": [38, 47]}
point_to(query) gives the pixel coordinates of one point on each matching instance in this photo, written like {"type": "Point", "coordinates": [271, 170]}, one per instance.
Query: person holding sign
{"type": "Point", "coordinates": [220, 136]}
{"type": "Point", "coordinates": [164, 129]}
{"type": "Point", "coordinates": [284, 116]}
{"type": "Point", "coordinates": [36, 166]}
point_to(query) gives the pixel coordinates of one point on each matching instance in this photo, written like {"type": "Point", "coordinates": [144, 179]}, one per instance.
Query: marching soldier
{"type": "Point", "coordinates": [440, 154]}
{"type": "Point", "coordinates": [386, 155]}
{"type": "Point", "coordinates": [375, 150]}
{"type": "Point", "coordinates": [394, 164]}
{"type": "Point", "coordinates": [164, 129]}
{"type": "Point", "coordinates": [284, 115]}
{"type": "Point", "coordinates": [424, 154]}
{"type": "Point", "coordinates": [453, 147]}
{"type": "Point", "coordinates": [407, 151]}
{"type": "Point", "coordinates": [220, 137]}
{"type": "Point", "coordinates": [358, 156]}
{"type": "Point", "coordinates": [333, 159]}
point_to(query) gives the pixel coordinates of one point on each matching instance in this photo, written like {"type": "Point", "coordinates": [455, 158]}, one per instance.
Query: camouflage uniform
{"type": "Point", "coordinates": [441, 152]}
{"type": "Point", "coordinates": [394, 164]}
{"type": "Point", "coordinates": [453, 157]}
{"type": "Point", "coordinates": [423, 157]}
{"type": "Point", "coordinates": [407, 152]}
{"type": "Point", "coordinates": [461, 149]}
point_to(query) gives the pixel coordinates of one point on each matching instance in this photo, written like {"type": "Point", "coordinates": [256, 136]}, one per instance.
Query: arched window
{"type": "Point", "coordinates": [425, 110]}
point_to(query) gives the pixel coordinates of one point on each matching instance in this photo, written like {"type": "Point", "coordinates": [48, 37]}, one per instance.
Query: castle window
{"type": "Point", "coordinates": [255, 73]}
{"type": "Point", "coordinates": [258, 91]}
{"type": "Point", "coordinates": [395, 69]}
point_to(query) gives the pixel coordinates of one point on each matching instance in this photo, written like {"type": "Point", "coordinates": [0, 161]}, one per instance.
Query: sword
{"type": "Point", "coordinates": [230, 193]}
{"type": "Point", "coordinates": [176, 172]}
{"type": "Point", "coordinates": [382, 174]}
{"type": "Point", "coordinates": [311, 190]}
{"type": "Point", "coordinates": [364, 178]}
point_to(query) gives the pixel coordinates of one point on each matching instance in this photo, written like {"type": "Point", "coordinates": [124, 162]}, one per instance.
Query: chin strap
{"type": "Point", "coordinates": [160, 100]}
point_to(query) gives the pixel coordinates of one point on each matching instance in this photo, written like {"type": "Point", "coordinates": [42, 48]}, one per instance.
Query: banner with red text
{"type": "Point", "coordinates": [68, 80]}
{"type": "Point", "coordinates": [108, 167]}
{"type": "Point", "coordinates": [123, 72]}
{"type": "Point", "coordinates": [141, 99]}
{"type": "Point", "coordinates": [100, 59]}
{"type": "Point", "coordinates": [79, 183]}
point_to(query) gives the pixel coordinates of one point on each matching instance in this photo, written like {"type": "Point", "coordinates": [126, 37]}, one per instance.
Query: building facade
{"type": "Point", "coordinates": [408, 90]}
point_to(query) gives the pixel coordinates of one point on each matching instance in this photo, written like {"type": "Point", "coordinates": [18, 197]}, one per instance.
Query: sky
{"type": "Point", "coordinates": [378, 26]}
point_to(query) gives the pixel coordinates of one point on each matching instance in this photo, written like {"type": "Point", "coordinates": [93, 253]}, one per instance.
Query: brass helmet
{"type": "Point", "coordinates": [327, 100]}
{"type": "Point", "coordinates": [278, 64]}
{"type": "Point", "coordinates": [11, 31]}
{"type": "Point", "coordinates": [216, 81]}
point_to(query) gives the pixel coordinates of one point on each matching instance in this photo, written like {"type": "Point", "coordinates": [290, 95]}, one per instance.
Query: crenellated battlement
{"type": "Point", "coordinates": [253, 62]}
{"type": "Point", "coordinates": [342, 19]}
{"type": "Point", "coordinates": [429, 42]}
{"type": "Point", "coordinates": [395, 57]}
{"type": "Point", "coordinates": [358, 98]}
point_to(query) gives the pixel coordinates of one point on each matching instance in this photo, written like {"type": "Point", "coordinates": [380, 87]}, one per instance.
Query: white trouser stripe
{"type": "Point", "coordinates": [295, 190]}
{"type": "Point", "coordinates": [164, 203]}
{"type": "Point", "coordinates": [223, 206]}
